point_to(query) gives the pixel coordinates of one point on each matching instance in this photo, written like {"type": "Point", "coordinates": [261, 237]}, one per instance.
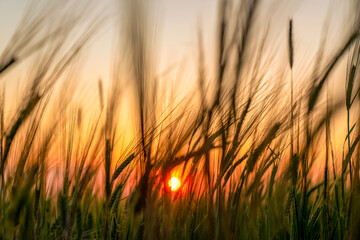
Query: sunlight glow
{"type": "Point", "coordinates": [174, 184]}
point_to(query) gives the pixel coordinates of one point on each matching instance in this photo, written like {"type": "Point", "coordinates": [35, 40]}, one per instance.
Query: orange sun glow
{"type": "Point", "coordinates": [174, 184]}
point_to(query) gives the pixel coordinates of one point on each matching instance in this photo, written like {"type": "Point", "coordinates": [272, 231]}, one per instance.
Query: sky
{"type": "Point", "coordinates": [176, 24]}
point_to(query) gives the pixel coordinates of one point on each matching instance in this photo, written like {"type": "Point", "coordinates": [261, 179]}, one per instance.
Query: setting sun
{"type": "Point", "coordinates": [174, 184]}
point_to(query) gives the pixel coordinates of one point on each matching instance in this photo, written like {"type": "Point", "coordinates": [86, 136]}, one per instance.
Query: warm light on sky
{"type": "Point", "coordinates": [176, 24]}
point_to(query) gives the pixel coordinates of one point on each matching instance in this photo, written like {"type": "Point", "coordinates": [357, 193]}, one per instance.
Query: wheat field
{"type": "Point", "coordinates": [253, 151]}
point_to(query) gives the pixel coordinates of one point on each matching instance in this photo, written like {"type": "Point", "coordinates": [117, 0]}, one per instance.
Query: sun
{"type": "Point", "coordinates": [174, 184]}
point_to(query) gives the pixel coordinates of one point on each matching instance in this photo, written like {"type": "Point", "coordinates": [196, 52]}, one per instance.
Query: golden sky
{"type": "Point", "coordinates": [175, 24]}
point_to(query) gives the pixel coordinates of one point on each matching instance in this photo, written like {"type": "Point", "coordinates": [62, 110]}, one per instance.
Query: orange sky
{"type": "Point", "coordinates": [176, 24]}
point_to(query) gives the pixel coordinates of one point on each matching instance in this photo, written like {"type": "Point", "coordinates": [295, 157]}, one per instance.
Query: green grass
{"type": "Point", "coordinates": [244, 154]}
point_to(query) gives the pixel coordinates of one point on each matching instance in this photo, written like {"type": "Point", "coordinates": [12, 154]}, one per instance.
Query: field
{"type": "Point", "coordinates": [254, 151]}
